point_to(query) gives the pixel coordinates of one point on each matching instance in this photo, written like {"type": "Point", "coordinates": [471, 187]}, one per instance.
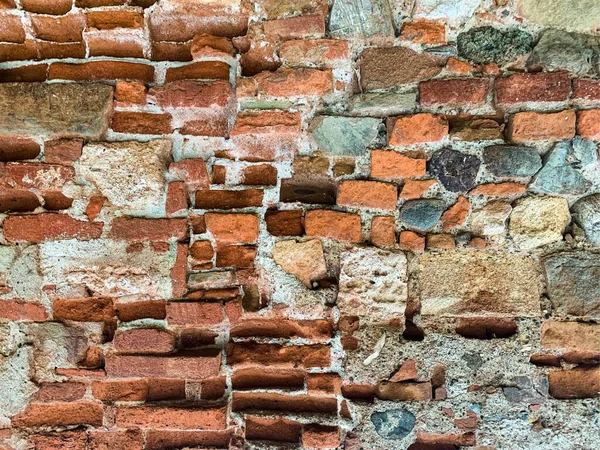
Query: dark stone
{"type": "Point", "coordinates": [422, 214]}
{"type": "Point", "coordinates": [511, 161]}
{"type": "Point", "coordinates": [393, 424]}
{"type": "Point", "coordinates": [486, 45]}
{"type": "Point", "coordinates": [574, 282]}
{"type": "Point", "coordinates": [455, 170]}
{"type": "Point", "coordinates": [473, 360]}
{"type": "Point", "coordinates": [586, 213]}
{"type": "Point", "coordinates": [523, 391]}
{"type": "Point", "coordinates": [306, 188]}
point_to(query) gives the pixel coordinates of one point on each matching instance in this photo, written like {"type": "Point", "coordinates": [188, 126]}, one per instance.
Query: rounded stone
{"type": "Point", "coordinates": [393, 424]}
{"type": "Point", "coordinates": [455, 170]}
{"type": "Point", "coordinates": [511, 161]}
{"type": "Point", "coordinates": [486, 45]}
{"type": "Point", "coordinates": [586, 213]}
{"type": "Point", "coordinates": [422, 214]}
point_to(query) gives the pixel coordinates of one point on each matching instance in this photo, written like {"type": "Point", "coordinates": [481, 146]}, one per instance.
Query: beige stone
{"type": "Point", "coordinates": [491, 219]}
{"type": "Point", "coordinates": [466, 282]}
{"type": "Point", "coordinates": [131, 175]}
{"type": "Point", "coordinates": [304, 260]}
{"type": "Point", "coordinates": [571, 335]}
{"type": "Point", "coordinates": [536, 221]}
{"type": "Point", "coordinates": [575, 15]}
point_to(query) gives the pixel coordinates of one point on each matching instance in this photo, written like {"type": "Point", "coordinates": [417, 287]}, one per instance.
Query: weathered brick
{"type": "Point", "coordinates": [587, 90]}
{"type": "Point", "coordinates": [533, 126]}
{"type": "Point", "coordinates": [139, 229]}
{"type": "Point", "coordinates": [232, 228]}
{"type": "Point", "coordinates": [101, 70]}
{"type": "Point", "coordinates": [319, 53]}
{"type": "Point", "coordinates": [191, 367]}
{"type": "Point", "coordinates": [18, 200]}
{"type": "Point", "coordinates": [222, 199]}
{"type": "Point", "coordinates": [275, 430]}
{"type": "Point", "coordinates": [533, 87]}
{"type": "Point", "coordinates": [46, 227]}
{"type": "Point", "coordinates": [59, 414]}
{"type": "Point", "coordinates": [147, 341]}
{"type": "Point", "coordinates": [417, 129]}
{"type": "Point", "coordinates": [115, 440]}
{"type": "Point", "coordinates": [278, 355]}
{"type": "Point", "coordinates": [570, 335]}
{"type": "Point", "coordinates": [60, 392]}
{"type": "Point", "coordinates": [292, 83]}
{"type": "Point", "coordinates": [19, 310]}
{"type": "Point", "coordinates": [454, 92]}
{"type": "Point", "coordinates": [581, 382]}
{"type": "Point", "coordinates": [333, 225]}
{"type": "Point", "coordinates": [12, 29]}
{"type": "Point", "coordinates": [588, 124]}
{"type": "Point", "coordinates": [141, 122]}
{"type": "Point", "coordinates": [302, 27]}
{"type": "Point", "coordinates": [67, 28]}
{"type": "Point", "coordinates": [285, 222]}
{"type": "Point", "coordinates": [120, 390]}
{"type": "Point", "coordinates": [56, 7]}
{"type": "Point", "coordinates": [162, 439]}
{"type": "Point", "coordinates": [84, 310]}
{"type": "Point", "coordinates": [395, 165]}
{"type": "Point", "coordinates": [107, 20]}
{"type": "Point", "coordinates": [367, 194]}
{"type": "Point", "coordinates": [163, 417]}
{"type": "Point", "coordinates": [194, 313]}
{"type": "Point", "coordinates": [424, 31]}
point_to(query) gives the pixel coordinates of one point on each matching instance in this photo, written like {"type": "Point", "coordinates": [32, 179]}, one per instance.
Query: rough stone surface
{"type": "Point", "coordinates": [586, 215]}
{"type": "Point", "coordinates": [131, 175]}
{"type": "Point", "coordinates": [29, 108]}
{"type": "Point", "coordinates": [511, 161]}
{"type": "Point", "coordinates": [304, 260]}
{"type": "Point", "coordinates": [393, 424]}
{"type": "Point", "coordinates": [455, 170]}
{"type": "Point", "coordinates": [574, 283]}
{"type": "Point", "coordinates": [373, 283]}
{"type": "Point", "coordinates": [536, 221]}
{"type": "Point", "coordinates": [490, 45]}
{"type": "Point", "coordinates": [345, 135]}
{"type": "Point", "coordinates": [422, 214]}
{"type": "Point", "coordinates": [360, 18]}
{"type": "Point", "coordinates": [456, 11]}
{"type": "Point", "coordinates": [583, 15]}
{"type": "Point", "coordinates": [462, 283]}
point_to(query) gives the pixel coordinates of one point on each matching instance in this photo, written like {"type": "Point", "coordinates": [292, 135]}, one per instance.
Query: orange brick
{"type": "Point", "coordinates": [588, 124]}
{"type": "Point", "coordinates": [383, 231]}
{"type": "Point", "coordinates": [393, 165]}
{"type": "Point", "coordinates": [533, 126]}
{"type": "Point", "coordinates": [130, 92]}
{"type": "Point", "coordinates": [499, 189]}
{"type": "Point", "coordinates": [232, 228]}
{"type": "Point", "coordinates": [418, 128]}
{"type": "Point", "coordinates": [414, 189]}
{"type": "Point", "coordinates": [333, 225]}
{"type": "Point", "coordinates": [455, 215]}
{"type": "Point", "coordinates": [410, 240]}
{"type": "Point", "coordinates": [424, 32]}
{"type": "Point", "coordinates": [59, 414]}
{"type": "Point", "coordinates": [291, 83]}
{"type": "Point", "coordinates": [367, 194]}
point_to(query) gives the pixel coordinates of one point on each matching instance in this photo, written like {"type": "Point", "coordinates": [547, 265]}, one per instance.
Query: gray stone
{"type": "Point", "coordinates": [394, 423]}
{"type": "Point", "coordinates": [511, 161]}
{"type": "Point", "coordinates": [486, 45]}
{"type": "Point", "coordinates": [360, 18]}
{"type": "Point", "coordinates": [422, 214]}
{"type": "Point", "coordinates": [574, 283]}
{"type": "Point", "coordinates": [456, 171]}
{"type": "Point", "coordinates": [560, 173]}
{"type": "Point", "coordinates": [586, 214]}
{"type": "Point", "coordinates": [345, 135]}
{"type": "Point", "coordinates": [523, 391]}
{"type": "Point", "coordinates": [585, 151]}
{"type": "Point", "coordinates": [455, 11]}
{"type": "Point", "coordinates": [381, 104]}
{"type": "Point", "coordinates": [580, 15]}
{"type": "Point", "coordinates": [66, 110]}
{"type": "Point", "coordinates": [558, 49]}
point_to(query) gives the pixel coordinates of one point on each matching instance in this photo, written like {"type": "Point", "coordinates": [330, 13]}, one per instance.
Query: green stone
{"type": "Point", "coordinates": [349, 136]}
{"type": "Point", "coordinates": [486, 45]}
{"type": "Point", "coordinates": [381, 104]}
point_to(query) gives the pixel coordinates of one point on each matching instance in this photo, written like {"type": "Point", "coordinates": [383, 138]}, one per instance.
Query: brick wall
{"type": "Point", "coordinates": [356, 224]}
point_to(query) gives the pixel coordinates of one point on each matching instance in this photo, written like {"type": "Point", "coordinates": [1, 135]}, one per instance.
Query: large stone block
{"type": "Point", "coordinates": [468, 283]}
{"type": "Point", "coordinates": [580, 15]}
{"type": "Point", "coordinates": [361, 18]}
{"type": "Point", "coordinates": [373, 283]}
{"type": "Point", "coordinates": [131, 175]}
{"type": "Point", "coordinates": [536, 221]}
{"type": "Point", "coordinates": [106, 268]}
{"type": "Point", "coordinates": [55, 109]}
{"type": "Point", "coordinates": [574, 283]}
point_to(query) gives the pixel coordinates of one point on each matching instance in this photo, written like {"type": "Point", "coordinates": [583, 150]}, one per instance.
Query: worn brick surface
{"type": "Point", "coordinates": [316, 224]}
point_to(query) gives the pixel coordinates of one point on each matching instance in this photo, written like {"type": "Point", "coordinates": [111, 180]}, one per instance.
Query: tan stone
{"type": "Point", "coordinates": [461, 283]}
{"type": "Point", "coordinates": [304, 260]}
{"type": "Point", "coordinates": [536, 221]}
{"type": "Point", "coordinates": [571, 335]}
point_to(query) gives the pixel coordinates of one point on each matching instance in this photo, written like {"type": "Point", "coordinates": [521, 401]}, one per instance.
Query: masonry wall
{"type": "Point", "coordinates": [354, 224]}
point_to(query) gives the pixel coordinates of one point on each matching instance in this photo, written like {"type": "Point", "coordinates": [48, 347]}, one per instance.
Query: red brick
{"type": "Point", "coordinates": [179, 271]}
{"type": "Point", "coordinates": [59, 414]}
{"type": "Point", "coordinates": [194, 313]}
{"type": "Point", "coordinates": [18, 52]}
{"type": "Point", "coordinates": [165, 417]}
{"type": "Point", "coordinates": [196, 94]}
{"type": "Point", "coordinates": [533, 126]}
{"type": "Point", "coordinates": [232, 228]}
{"type": "Point", "coordinates": [324, 383]}
{"type": "Point", "coordinates": [367, 194]}
{"type": "Point", "coordinates": [467, 439]}
{"type": "Point", "coordinates": [317, 330]}
{"type": "Point", "coordinates": [588, 124]}
{"type": "Point", "coordinates": [410, 240]}
{"type": "Point", "coordinates": [253, 122]}
{"type": "Point", "coordinates": [202, 70]}
{"type": "Point", "coordinates": [116, 440]}
{"type": "Point", "coordinates": [65, 440]}
{"type": "Point", "coordinates": [208, 45]}
{"type": "Point", "coordinates": [60, 392]}
{"type": "Point", "coordinates": [321, 437]}
{"type": "Point", "coordinates": [418, 128]}
{"type": "Point", "coordinates": [383, 231]}
{"type": "Point", "coordinates": [83, 310]}
{"type": "Point", "coordinates": [18, 310]}
{"type": "Point", "coordinates": [486, 327]}
{"type": "Point", "coordinates": [40, 176]}
{"type": "Point", "coordinates": [57, 50]}
{"type": "Point", "coordinates": [285, 223]}
{"type": "Point", "coordinates": [147, 341]}
{"type": "Point", "coordinates": [321, 53]}
{"type": "Point", "coordinates": [333, 225]}
{"type": "Point", "coordinates": [192, 171]}
{"type": "Point", "coordinates": [161, 389]}
{"type": "Point", "coordinates": [141, 122]}
{"type": "Point", "coordinates": [454, 92]}
{"type": "Point", "coordinates": [177, 197]}
{"type": "Point", "coordinates": [29, 74]}
{"type": "Point", "coordinates": [98, 3]}
{"type": "Point", "coordinates": [191, 367]}
{"type": "Point", "coordinates": [240, 256]}
{"type": "Point", "coordinates": [109, 19]}
{"type": "Point", "coordinates": [259, 175]}
{"type": "Point", "coordinates": [202, 250]}
{"type": "Point", "coordinates": [301, 27]}
{"type": "Point", "coordinates": [47, 227]}
{"type": "Point", "coordinates": [261, 378]}
{"type": "Point", "coordinates": [15, 148]}
{"type": "Point", "coordinates": [581, 382]}
{"type": "Point", "coordinates": [102, 70]}
{"type": "Point", "coordinates": [56, 201]}
{"type": "Point", "coordinates": [277, 429]}
{"type": "Point", "coordinates": [130, 93]}
{"type": "Point", "coordinates": [167, 439]}
{"type": "Point", "coordinates": [67, 28]}
{"type": "Point", "coordinates": [586, 89]}
{"type": "Point", "coordinates": [291, 83]}
{"type": "Point", "coordinates": [278, 355]}
{"type": "Point", "coordinates": [301, 403]}
{"type": "Point", "coordinates": [12, 29]}
{"type": "Point", "coordinates": [117, 44]}
{"type": "Point", "coordinates": [139, 229]}
{"type": "Point", "coordinates": [120, 390]}
{"type": "Point", "coordinates": [424, 32]}
{"type": "Point", "coordinates": [62, 151]}
{"type": "Point", "coordinates": [223, 199]}
{"type": "Point", "coordinates": [570, 335]}
{"type": "Point", "coordinates": [18, 200]}
{"type": "Point", "coordinates": [533, 87]}
{"type": "Point", "coordinates": [56, 7]}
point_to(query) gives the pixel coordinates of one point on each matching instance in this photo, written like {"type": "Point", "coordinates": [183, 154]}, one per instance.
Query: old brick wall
{"type": "Point", "coordinates": [253, 224]}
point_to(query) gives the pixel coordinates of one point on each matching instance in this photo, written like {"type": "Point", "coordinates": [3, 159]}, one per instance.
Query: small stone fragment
{"type": "Point", "coordinates": [393, 424]}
